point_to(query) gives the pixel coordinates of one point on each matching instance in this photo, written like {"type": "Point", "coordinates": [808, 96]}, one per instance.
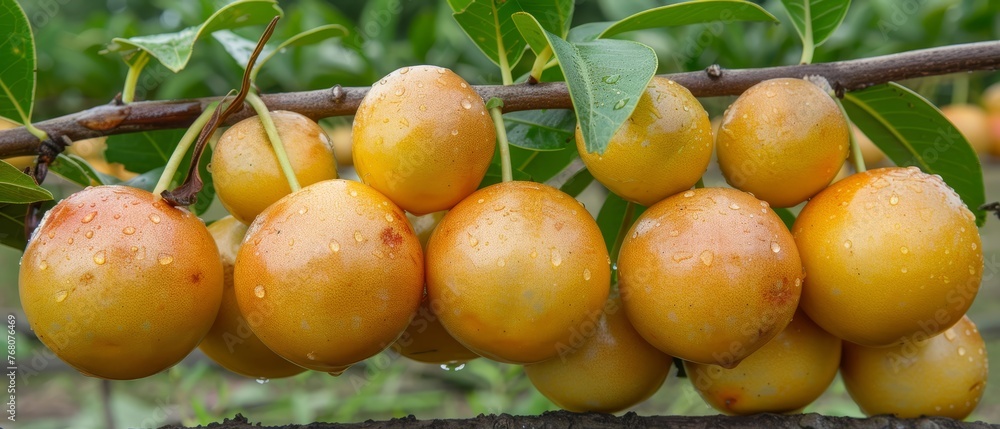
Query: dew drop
{"type": "Point", "coordinates": [480, 201]}
{"type": "Point", "coordinates": [848, 244]}
{"type": "Point", "coordinates": [894, 199]}
{"type": "Point", "coordinates": [681, 256]}
{"type": "Point", "coordinates": [128, 230]}
{"type": "Point", "coordinates": [674, 233]}
{"type": "Point", "coordinates": [153, 217]}
{"type": "Point", "coordinates": [466, 104]}
{"type": "Point", "coordinates": [89, 217]}
{"type": "Point", "coordinates": [688, 194]}
{"type": "Point", "coordinates": [303, 210]}
{"type": "Point", "coordinates": [52, 234]}
{"type": "Point", "coordinates": [734, 206]}
{"type": "Point", "coordinates": [975, 246]}
{"type": "Point", "coordinates": [950, 334]}
{"type": "Point", "coordinates": [501, 262]}
{"type": "Point", "coordinates": [904, 250]}
{"type": "Point", "coordinates": [100, 258]}
{"type": "Point", "coordinates": [262, 380]}
{"type": "Point", "coordinates": [89, 234]}
{"type": "Point", "coordinates": [334, 246]}
{"type": "Point", "coordinates": [586, 274]}
{"type": "Point", "coordinates": [354, 193]}
{"type": "Point", "coordinates": [611, 79]}
{"type": "Point", "coordinates": [259, 291]}
{"type": "Point", "coordinates": [453, 366]}
{"type": "Point", "coordinates": [389, 218]}
{"type": "Point", "coordinates": [707, 257]}
{"type": "Point", "coordinates": [358, 237]}
{"type": "Point", "coordinates": [621, 104]}
{"type": "Point", "coordinates": [775, 247]}
{"type": "Point", "coordinates": [533, 254]}
{"type": "Point", "coordinates": [165, 258]}
{"type": "Point", "coordinates": [311, 355]}
{"type": "Point", "coordinates": [903, 270]}
{"type": "Point", "coordinates": [69, 241]}
{"type": "Point", "coordinates": [556, 258]}
{"type": "Point", "coordinates": [473, 241]}
{"type": "Point", "coordinates": [61, 295]}
{"type": "Point", "coordinates": [117, 216]}
{"type": "Point", "coordinates": [961, 351]}
{"type": "Point", "coordinates": [423, 108]}
{"type": "Point", "coordinates": [400, 91]}
{"type": "Point", "coordinates": [972, 270]}
{"type": "Point", "coordinates": [454, 132]}
{"type": "Point", "coordinates": [43, 265]}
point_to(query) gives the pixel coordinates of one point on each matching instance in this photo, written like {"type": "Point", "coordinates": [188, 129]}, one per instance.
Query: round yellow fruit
{"type": "Point", "coordinates": [422, 136]}
{"type": "Point", "coordinates": [894, 248]}
{"type": "Point", "coordinates": [971, 121]}
{"type": "Point", "coordinates": [330, 275]}
{"type": "Point", "coordinates": [427, 341]}
{"type": "Point", "coordinates": [516, 268]}
{"type": "Point", "coordinates": [230, 342]}
{"type": "Point", "coordinates": [119, 284]}
{"type": "Point", "coordinates": [245, 168]}
{"type": "Point", "coordinates": [944, 375]}
{"type": "Point", "coordinates": [786, 375]}
{"type": "Point", "coordinates": [609, 370]}
{"type": "Point", "coordinates": [783, 140]}
{"type": "Point", "coordinates": [662, 149]}
{"type": "Point", "coordinates": [709, 275]}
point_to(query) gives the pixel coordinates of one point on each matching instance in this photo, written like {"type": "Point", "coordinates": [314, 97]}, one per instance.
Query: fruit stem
{"type": "Point", "coordinates": [622, 231]}
{"type": "Point", "coordinates": [272, 135]}
{"type": "Point", "coordinates": [182, 147]}
{"type": "Point", "coordinates": [132, 78]}
{"type": "Point", "coordinates": [506, 174]}
{"type": "Point", "coordinates": [540, 64]}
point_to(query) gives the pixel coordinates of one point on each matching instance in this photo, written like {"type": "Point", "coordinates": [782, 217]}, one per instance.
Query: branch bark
{"type": "Point", "coordinates": [564, 419]}
{"type": "Point", "coordinates": [849, 75]}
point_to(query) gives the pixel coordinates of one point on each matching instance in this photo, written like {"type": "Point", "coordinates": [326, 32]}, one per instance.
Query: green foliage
{"type": "Point", "coordinates": [17, 73]}
{"type": "Point", "coordinates": [540, 129]}
{"type": "Point", "coordinates": [688, 13]}
{"type": "Point", "coordinates": [78, 171]}
{"type": "Point", "coordinates": [816, 20]}
{"type": "Point", "coordinates": [17, 187]}
{"type": "Point", "coordinates": [242, 48]}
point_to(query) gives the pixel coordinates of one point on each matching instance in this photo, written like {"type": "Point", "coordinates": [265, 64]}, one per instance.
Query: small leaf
{"type": "Point", "coordinates": [241, 48]}
{"type": "Point", "coordinates": [17, 67]}
{"type": "Point", "coordinates": [488, 23]}
{"type": "Point", "coordinates": [78, 170]}
{"type": "Point", "coordinates": [173, 50]}
{"type": "Point", "coordinates": [605, 78]}
{"type": "Point", "coordinates": [541, 129]}
{"type": "Point", "coordinates": [12, 225]}
{"type": "Point", "coordinates": [19, 188]}
{"type": "Point", "coordinates": [786, 216]}
{"type": "Point", "coordinates": [912, 132]}
{"type": "Point", "coordinates": [816, 20]}
{"type": "Point", "coordinates": [576, 184]}
{"type": "Point", "coordinates": [691, 12]}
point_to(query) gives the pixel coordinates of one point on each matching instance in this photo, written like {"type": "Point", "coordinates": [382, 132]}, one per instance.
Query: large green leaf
{"type": "Point", "coordinates": [19, 188]}
{"type": "Point", "coordinates": [488, 23]}
{"type": "Point", "coordinates": [911, 131]}
{"type": "Point", "coordinates": [540, 129]}
{"type": "Point", "coordinates": [241, 48]}
{"type": "Point", "coordinates": [691, 12]}
{"type": "Point", "coordinates": [174, 50]}
{"type": "Point", "coordinates": [17, 62]}
{"type": "Point", "coordinates": [816, 20]}
{"type": "Point", "coordinates": [605, 78]}
{"type": "Point", "coordinates": [12, 225]}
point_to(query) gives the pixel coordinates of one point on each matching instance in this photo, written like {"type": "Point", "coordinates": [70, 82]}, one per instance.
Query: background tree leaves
{"type": "Point", "coordinates": [17, 67]}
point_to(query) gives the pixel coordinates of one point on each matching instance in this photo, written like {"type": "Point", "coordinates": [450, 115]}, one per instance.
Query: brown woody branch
{"type": "Point", "coordinates": [337, 101]}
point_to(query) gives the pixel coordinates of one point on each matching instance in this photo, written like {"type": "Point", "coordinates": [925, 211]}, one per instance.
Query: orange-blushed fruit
{"type": "Point", "coordinates": [709, 275]}
{"type": "Point", "coordinates": [662, 149]}
{"type": "Point", "coordinates": [423, 138]}
{"type": "Point", "coordinates": [329, 275]}
{"type": "Point", "coordinates": [231, 343]}
{"type": "Point", "coordinates": [944, 375]}
{"type": "Point", "coordinates": [783, 140]}
{"type": "Point", "coordinates": [515, 269]}
{"type": "Point", "coordinates": [607, 371]}
{"type": "Point", "coordinates": [971, 121]}
{"type": "Point", "coordinates": [786, 375]}
{"type": "Point", "coordinates": [119, 284]}
{"type": "Point", "coordinates": [245, 169]}
{"type": "Point", "coordinates": [894, 248]}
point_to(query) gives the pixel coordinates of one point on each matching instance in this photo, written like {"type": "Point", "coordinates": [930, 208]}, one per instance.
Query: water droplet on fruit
{"type": "Point", "coordinates": [480, 201]}
{"type": "Point", "coordinates": [262, 380]}
{"type": "Point", "coordinates": [707, 257]}
{"type": "Point", "coordinates": [848, 244]}
{"type": "Point", "coordinates": [334, 246]}
{"type": "Point", "coordinates": [688, 194]}
{"type": "Point", "coordinates": [43, 265]}
{"type": "Point", "coordinates": [400, 91]}
{"type": "Point", "coordinates": [975, 246]}
{"type": "Point", "coordinates": [674, 233]}
{"type": "Point", "coordinates": [89, 217]}
{"type": "Point", "coordinates": [100, 258]}
{"type": "Point", "coordinates": [949, 334]}
{"type": "Point", "coordinates": [903, 270]}
{"type": "Point", "coordinates": [586, 274]}
{"type": "Point", "coordinates": [681, 256]}
{"type": "Point", "coordinates": [354, 193]}
{"type": "Point", "coordinates": [972, 270]}
{"type": "Point", "coordinates": [775, 247]}
{"type": "Point", "coordinates": [466, 104]}
{"type": "Point", "coordinates": [894, 199]}
{"type": "Point", "coordinates": [961, 351]}
{"type": "Point", "coordinates": [61, 295]}
{"type": "Point", "coordinates": [423, 108]}
{"type": "Point", "coordinates": [128, 230]}
{"type": "Point", "coordinates": [453, 366]}
{"type": "Point", "coordinates": [556, 258]}
{"type": "Point", "coordinates": [89, 234]}
{"type": "Point", "coordinates": [734, 206]}
{"type": "Point", "coordinates": [153, 217]}
{"type": "Point", "coordinates": [473, 241]}
{"type": "Point", "coordinates": [165, 258]}
{"type": "Point", "coordinates": [533, 254]}
{"type": "Point", "coordinates": [501, 262]}
{"type": "Point", "coordinates": [904, 250]}
{"type": "Point", "coordinates": [454, 132]}
{"type": "Point", "coordinates": [358, 237]}
{"type": "Point", "coordinates": [259, 291]}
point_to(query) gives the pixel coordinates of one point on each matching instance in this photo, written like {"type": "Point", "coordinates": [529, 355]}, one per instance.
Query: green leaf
{"type": "Point", "coordinates": [587, 32]}
{"type": "Point", "coordinates": [786, 216]}
{"type": "Point", "coordinates": [78, 170]}
{"type": "Point", "coordinates": [610, 218]}
{"type": "Point", "coordinates": [143, 151]}
{"type": "Point", "coordinates": [17, 66]}
{"type": "Point", "coordinates": [912, 132]}
{"type": "Point", "coordinates": [605, 78]}
{"type": "Point", "coordinates": [691, 12]}
{"type": "Point", "coordinates": [241, 48]}
{"type": "Point", "coordinates": [576, 184]}
{"type": "Point", "coordinates": [541, 129]}
{"type": "Point", "coordinates": [19, 188]}
{"type": "Point", "coordinates": [173, 50]}
{"type": "Point", "coordinates": [494, 176]}
{"type": "Point", "coordinates": [541, 166]}
{"type": "Point", "coordinates": [12, 225]}
{"type": "Point", "coordinates": [488, 23]}
{"type": "Point", "coordinates": [816, 20]}
{"type": "Point", "coordinates": [145, 181]}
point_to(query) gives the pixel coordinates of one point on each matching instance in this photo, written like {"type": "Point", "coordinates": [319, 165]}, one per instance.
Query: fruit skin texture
{"type": "Point", "coordinates": [329, 275]}
{"type": "Point", "coordinates": [782, 140]}
{"type": "Point", "coordinates": [786, 375]}
{"type": "Point", "coordinates": [971, 121]}
{"type": "Point", "coordinates": [709, 275]}
{"type": "Point", "coordinates": [516, 268]}
{"type": "Point", "coordinates": [941, 376]}
{"type": "Point", "coordinates": [230, 342]}
{"type": "Point", "coordinates": [119, 284]}
{"type": "Point", "coordinates": [662, 149]}
{"type": "Point", "coordinates": [613, 369]}
{"type": "Point", "coordinates": [423, 138]}
{"type": "Point", "coordinates": [894, 248]}
{"type": "Point", "coordinates": [246, 171]}
{"type": "Point", "coordinates": [426, 340]}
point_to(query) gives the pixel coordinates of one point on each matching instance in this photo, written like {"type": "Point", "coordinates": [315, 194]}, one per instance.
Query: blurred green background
{"type": "Point", "coordinates": [74, 74]}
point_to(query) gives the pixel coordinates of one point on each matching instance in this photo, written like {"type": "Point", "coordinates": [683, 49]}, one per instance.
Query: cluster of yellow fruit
{"type": "Point", "coordinates": [121, 285]}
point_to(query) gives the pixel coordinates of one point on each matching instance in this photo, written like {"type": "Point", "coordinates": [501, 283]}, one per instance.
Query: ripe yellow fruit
{"type": "Point", "coordinates": [329, 275]}
{"type": "Point", "coordinates": [991, 98]}
{"type": "Point", "coordinates": [709, 275]}
{"type": "Point", "coordinates": [119, 284]}
{"type": "Point", "coordinates": [786, 375]}
{"type": "Point", "coordinates": [662, 149]}
{"type": "Point", "coordinates": [944, 375]}
{"type": "Point", "coordinates": [894, 248]}
{"type": "Point", "coordinates": [230, 342]}
{"type": "Point", "coordinates": [426, 340]}
{"type": "Point", "coordinates": [246, 171]}
{"type": "Point", "coordinates": [423, 138]}
{"type": "Point", "coordinates": [517, 268]}
{"type": "Point", "coordinates": [972, 123]}
{"type": "Point", "coordinates": [783, 140]}
{"type": "Point", "coordinates": [609, 370]}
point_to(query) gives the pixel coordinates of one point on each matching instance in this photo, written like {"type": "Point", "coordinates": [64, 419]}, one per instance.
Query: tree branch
{"type": "Point", "coordinates": [337, 101]}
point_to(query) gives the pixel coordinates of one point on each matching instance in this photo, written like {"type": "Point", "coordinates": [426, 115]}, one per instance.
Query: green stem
{"type": "Point", "coordinates": [182, 147]}
{"type": "Point", "coordinates": [807, 41]}
{"type": "Point", "coordinates": [622, 231]}
{"type": "Point", "coordinates": [540, 63]}
{"type": "Point", "coordinates": [25, 119]}
{"type": "Point", "coordinates": [132, 78]}
{"type": "Point", "coordinates": [960, 90]}
{"type": "Point", "coordinates": [506, 174]}
{"type": "Point", "coordinates": [857, 159]}
{"type": "Point", "coordinates": [272, 134]}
